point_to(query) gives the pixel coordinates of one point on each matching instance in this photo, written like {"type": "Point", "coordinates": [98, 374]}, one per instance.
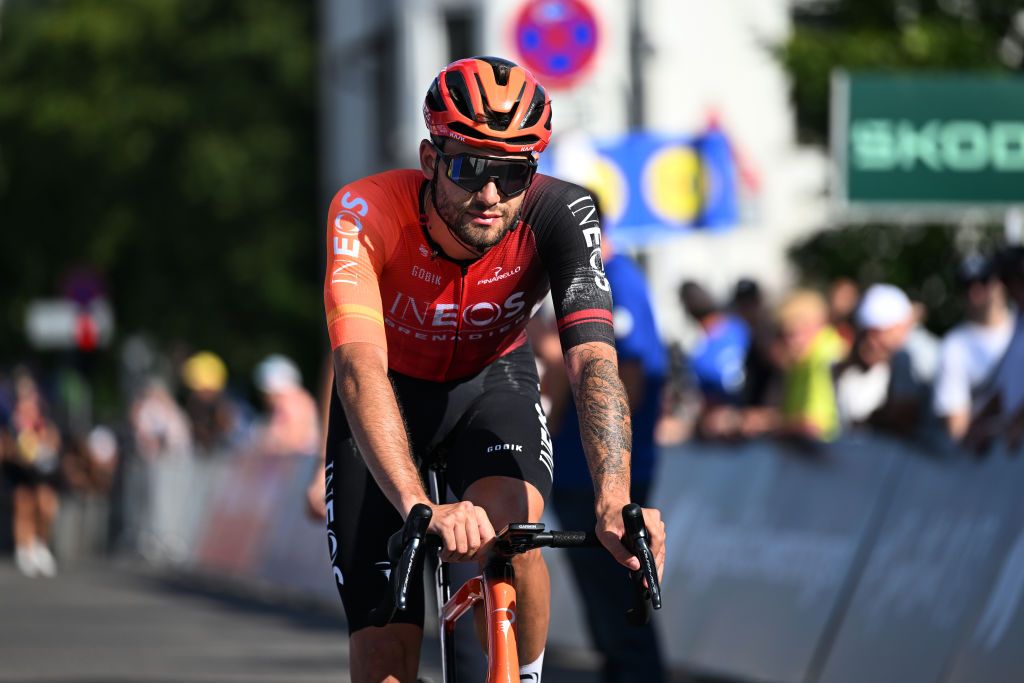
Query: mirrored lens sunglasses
{"type": "Point", "coordinates": [472, 172]}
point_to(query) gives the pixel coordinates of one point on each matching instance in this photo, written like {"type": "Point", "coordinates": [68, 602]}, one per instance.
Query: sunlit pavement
{"type": "Point", "coordinates": [115, 623]}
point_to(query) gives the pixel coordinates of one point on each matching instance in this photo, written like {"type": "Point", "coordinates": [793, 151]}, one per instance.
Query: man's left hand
{"type": "Point", "coordinates": [610, 531]}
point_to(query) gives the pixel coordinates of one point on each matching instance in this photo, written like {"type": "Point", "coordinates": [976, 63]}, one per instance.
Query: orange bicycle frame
{"type": "Point", "coordinates": [496, 589]}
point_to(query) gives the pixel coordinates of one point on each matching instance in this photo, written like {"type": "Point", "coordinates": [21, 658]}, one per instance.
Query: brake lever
{"type": "Point", "coordinates": [405, 550]}
{"type": "Point", "coordinates": [637, 540]}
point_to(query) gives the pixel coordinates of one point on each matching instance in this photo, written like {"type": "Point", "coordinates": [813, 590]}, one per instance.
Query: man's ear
{"type": "Point", "coordinates": [428, 159]}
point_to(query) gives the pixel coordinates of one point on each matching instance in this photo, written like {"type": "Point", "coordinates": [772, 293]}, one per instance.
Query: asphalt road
{"type": "Point", "coordinates": [117, 623]}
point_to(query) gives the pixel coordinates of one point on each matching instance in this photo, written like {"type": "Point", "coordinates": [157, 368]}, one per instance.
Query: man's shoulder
{"type": "Point", "coordinates": [395, 183]}
{"type": "Point", "coordinates": [550, 192]}
{"type": "Point", "coordinates": [381, 199]}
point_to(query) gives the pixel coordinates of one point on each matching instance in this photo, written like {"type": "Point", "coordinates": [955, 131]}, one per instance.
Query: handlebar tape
{"type": "Point", "coordinates": [574, 539]}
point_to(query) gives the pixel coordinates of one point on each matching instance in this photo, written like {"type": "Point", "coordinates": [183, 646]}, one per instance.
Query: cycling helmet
{"type": "Point", "coordinates": [489, 102]}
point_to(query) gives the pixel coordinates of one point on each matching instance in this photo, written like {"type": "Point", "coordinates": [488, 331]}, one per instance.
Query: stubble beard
{"type": "Point", "coordinates": [456, 215]}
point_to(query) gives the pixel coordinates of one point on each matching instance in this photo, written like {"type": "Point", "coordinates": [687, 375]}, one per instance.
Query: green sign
{"type": "Point", "coordinates": [906, 141]}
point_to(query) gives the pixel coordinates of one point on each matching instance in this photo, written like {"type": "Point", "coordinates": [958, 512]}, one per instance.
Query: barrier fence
{"type": "Point", "coordinates": [864, 561]}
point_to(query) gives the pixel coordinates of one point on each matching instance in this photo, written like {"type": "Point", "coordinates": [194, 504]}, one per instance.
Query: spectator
{"type": "Point", "coordinates": [215, 418]}
{"type": "Point", "coordinates": [760, 371]}
{"type": "Point", "coordinates": [163, 443]}
{"type": "Point", "coordinates": [843, 295]}
{"type": "Point", "coordinates": [88, 466]}
{"type": "Point", "coordinates": [1002, 412]}
{"type": "Point", "coordinates": [971, 351]}
{"type": "Point", "coordinates": [809, 349]}
{"type": "Point", "coordinates": [718, 358]}
{"type": "Point", "coordinates": [87, 470]}
{"type": "Point", "coordinates": [630, 653]}
{"type": "Point", "coordinates": [292, 427]}
{"type": "Point", "coordinates": [886, 379]}
{"type": "Point", "coordinates": [30, 453]}
{"type": "Point", "coordinates": [717, 362]}
{"type": "Point", "coordinates": [159, 426]}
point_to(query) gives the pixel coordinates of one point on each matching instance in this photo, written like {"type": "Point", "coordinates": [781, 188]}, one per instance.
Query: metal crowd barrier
{"type": "Point", "coordinates": [866, 561]}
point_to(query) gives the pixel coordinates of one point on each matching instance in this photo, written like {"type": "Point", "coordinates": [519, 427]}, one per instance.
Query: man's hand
{"type": "Point", "coordinates": [464, 528]}
{"type": "Point", "coordinates": [610, 531]}
{"type": "Point", "coordinates": [316, 507]}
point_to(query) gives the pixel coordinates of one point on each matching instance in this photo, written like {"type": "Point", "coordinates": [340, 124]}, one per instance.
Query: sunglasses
{"type": "Point", "coordinates": [472, 172]}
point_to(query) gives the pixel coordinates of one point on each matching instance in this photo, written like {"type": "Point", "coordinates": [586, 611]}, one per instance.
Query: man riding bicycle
{"type": "Point", "coordinates": [432, 277]}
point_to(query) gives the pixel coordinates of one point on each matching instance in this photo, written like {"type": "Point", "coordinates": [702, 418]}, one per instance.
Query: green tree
{"type": "Point", "coordinates": [907, 35]}
{"type": "Point", "coordinates": [169, 145]}
{"type": "Point", "coordinates": [937, 35]}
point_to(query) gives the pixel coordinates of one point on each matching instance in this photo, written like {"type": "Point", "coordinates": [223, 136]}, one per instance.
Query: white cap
{"type": "Point", "coordinates": [883, 306]}
{"type": "Point", "coordinates": [277, 373]}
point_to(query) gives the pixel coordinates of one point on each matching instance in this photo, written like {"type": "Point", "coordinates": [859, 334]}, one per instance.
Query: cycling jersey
{"type": "Point", "coordinates": [440, 319]}
{"type": "Point", "coordinates": [487, 425]}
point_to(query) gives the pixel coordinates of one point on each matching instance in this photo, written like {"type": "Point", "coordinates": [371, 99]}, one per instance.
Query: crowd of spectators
{"type": "Point", "coordinates": [820, 364]}
{"type": "Point", "coordinates": [807, 369]}
{"type": "Point", "coordinates": [74, 490]}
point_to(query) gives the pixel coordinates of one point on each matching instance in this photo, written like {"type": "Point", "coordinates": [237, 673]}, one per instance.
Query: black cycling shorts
{"type": "Point", "coordinates": [490, 424]}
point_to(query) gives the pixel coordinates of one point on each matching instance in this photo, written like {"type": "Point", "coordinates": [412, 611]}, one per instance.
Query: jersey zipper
{"type": "Point", "coordinates": [464, 269]}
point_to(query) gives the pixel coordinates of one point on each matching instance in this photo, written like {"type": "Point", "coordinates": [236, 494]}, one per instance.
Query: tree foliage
{"type": "Point", "coordinates": [949, 35]}
{"type": "Point", "coordinates": [168, 145]}
{"type": "Point", "coordinates": [907, 35]}
{"type": "Point", "coordinates": [920, 259]}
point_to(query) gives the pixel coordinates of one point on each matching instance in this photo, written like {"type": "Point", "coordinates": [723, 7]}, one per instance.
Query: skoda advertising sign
{"type": "Point", "coordinates": [927, 141]}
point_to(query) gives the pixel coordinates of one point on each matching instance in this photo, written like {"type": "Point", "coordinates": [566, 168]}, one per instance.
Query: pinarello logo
{"type": "Point", "coordinates": [499, 275]}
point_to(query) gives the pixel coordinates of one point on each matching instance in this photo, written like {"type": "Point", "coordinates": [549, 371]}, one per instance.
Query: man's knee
{"type": "Point", "coordinates": [528, 562]}
{"type": "Point", "coordinates": [506, 500]}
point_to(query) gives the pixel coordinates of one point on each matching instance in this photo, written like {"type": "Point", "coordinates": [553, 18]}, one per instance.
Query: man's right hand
{"type": "Point", "coordinates": [464, 528]}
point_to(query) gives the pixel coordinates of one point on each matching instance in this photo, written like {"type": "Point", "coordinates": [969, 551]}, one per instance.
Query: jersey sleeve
{"type": "Point", "coordinates": [360, 238]}
{"type": "Point", "coordinates": [568, 231]}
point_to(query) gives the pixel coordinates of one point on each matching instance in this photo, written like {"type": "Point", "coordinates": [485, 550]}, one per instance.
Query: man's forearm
{"type": "Point", "coordinates": [376, 423]}
{"type": "Point", "coordinates": [604, 419]}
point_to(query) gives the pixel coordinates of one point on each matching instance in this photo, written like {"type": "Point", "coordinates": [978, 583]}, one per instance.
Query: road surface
{"type": "Point", "coordinates": [120, 623]}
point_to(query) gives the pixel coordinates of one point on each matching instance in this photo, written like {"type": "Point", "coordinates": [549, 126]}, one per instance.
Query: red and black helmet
{"type": "Point", "coordinates": [489, 102]}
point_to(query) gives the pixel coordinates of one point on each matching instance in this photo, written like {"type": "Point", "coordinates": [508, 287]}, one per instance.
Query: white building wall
{"type": "Point", "coordinates": [704, 59]}
{"type": "Point", "coordinates": [714, 59]}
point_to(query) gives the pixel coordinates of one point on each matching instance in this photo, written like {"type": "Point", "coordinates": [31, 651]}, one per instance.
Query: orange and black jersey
{"type": "Point", "coordinates": [442, 320]}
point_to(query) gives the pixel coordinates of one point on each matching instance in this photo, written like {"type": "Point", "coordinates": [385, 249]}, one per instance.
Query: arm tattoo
{"type": "Point", "coordinates": [604, 419]}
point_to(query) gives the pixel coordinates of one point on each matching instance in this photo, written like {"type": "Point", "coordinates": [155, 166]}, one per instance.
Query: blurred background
{"type": "Point", "coordinates": [824, 196]}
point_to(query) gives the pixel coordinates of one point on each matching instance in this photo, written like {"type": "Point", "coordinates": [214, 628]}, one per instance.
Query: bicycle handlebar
{"type": "Point", "coordinates": [405, 549]}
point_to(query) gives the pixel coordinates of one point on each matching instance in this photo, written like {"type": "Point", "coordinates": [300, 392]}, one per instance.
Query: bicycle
{"type": "Point", "coordinates": [495, 586]}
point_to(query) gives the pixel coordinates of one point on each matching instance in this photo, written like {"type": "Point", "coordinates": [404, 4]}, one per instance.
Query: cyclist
{"type": "Point", "coordinates": [432, 277]}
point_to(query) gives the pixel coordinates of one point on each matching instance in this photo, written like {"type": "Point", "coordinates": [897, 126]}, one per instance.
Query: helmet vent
{"type": "Point", "coordinates": [536, 108]}
{"type": "Point", "coordinates": [496, 120]}
{"type": "Point", "coordinates": [501, 68]}
{"type": "Point", "coordinates": [458, 90]}
{"type": "Point", "coordinates": [434, 98]}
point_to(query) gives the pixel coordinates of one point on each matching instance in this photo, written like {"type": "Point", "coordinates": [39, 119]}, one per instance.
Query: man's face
{"type": "Point", "coordinates": [798, 334]}
{"type": "Point", "coordinates": [480, 219]}
{"type": "Point", "coordinates": [982, 294]}
{"type": "Point", "coordinates": [879, 344]}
